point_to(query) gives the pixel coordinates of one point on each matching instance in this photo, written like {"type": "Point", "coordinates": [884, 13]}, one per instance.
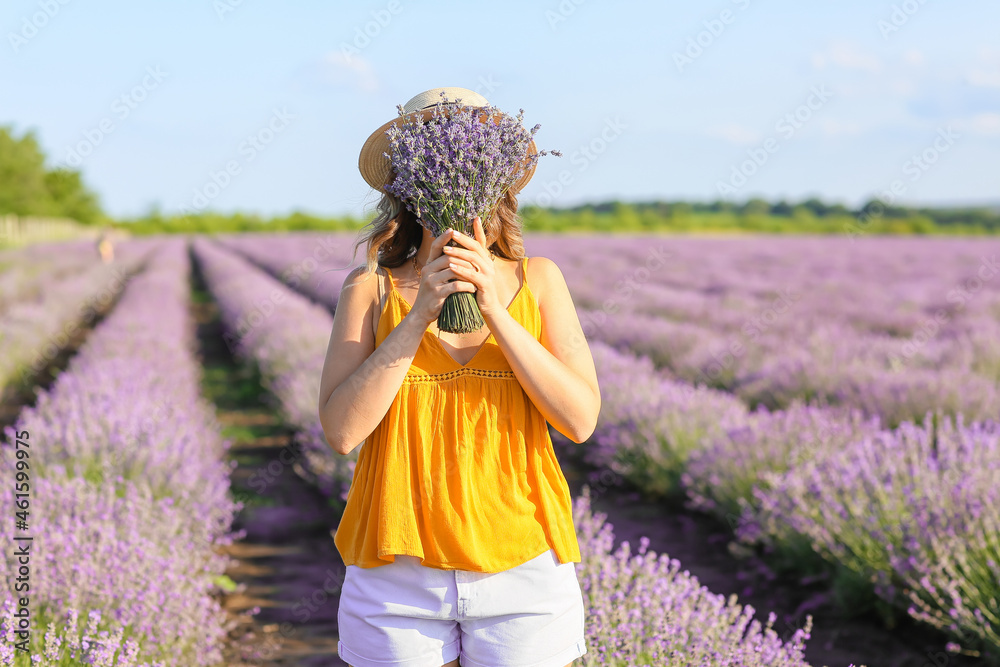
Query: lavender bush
{"type": "Point", "coordinates": [165, 434]}
{"type": "Point", "coordinates": [35, 329]}
{"type": "Point", "coordinates": [721, 474]}
{"type": "Point", "coordinates": [803, 314]}
{"type": "Point", "coordinates": [141, 563]}
{"type": "Point", "coordinates": [129, 493]}
{"type": "Point", "coordinates": [772, 320]}
{"type": "Point", "coordinates": [24, 274]}
{"type": "Point", "coordinates": [453, 165]}
{"type": "Point", "coordinates": [915, 510]}
{"type": "Point", "coordinates": [649, 425]}
{"type": "Point", "coordinates": [66, 642]}
{"type": "Point", "coordinates": [644, 610]}
{"type": "Point", "coordinates": [313, 264]}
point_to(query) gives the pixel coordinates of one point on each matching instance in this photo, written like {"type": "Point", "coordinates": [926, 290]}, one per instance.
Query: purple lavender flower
{"type": "Point", "coordinates": [453, 166]}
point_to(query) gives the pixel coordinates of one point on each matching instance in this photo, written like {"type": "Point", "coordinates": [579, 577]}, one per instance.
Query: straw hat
{"type": "Point", "coordinates": [375, 167]}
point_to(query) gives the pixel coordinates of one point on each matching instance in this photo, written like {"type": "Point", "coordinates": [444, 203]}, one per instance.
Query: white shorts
{"type": "Point", "coordinates": [404, 614]}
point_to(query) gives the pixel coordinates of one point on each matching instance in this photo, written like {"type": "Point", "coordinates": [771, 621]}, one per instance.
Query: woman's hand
{"type": "Point", "coordinates": [434, 286]}
{"type": "Point", "coordinates": [472, 262]}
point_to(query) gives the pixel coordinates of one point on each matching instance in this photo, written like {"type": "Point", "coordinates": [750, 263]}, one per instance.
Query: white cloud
{"type": "Point", "coordinates": [987, 72]}
{"type": "Point", "coordinates": [985, 78]}
{"type": "Point", "coordinates": [984, 124]}
{"type": "Point", "coordinates": [339, 68]}
{"type": "Point", "coordinates": [902, 87]}
{"type": "Point", "coordinates": [913, 57]}
{"type": "Point", "coordinates": [846, 56]}
{"type": "Point", "coordinates": [734, 133]}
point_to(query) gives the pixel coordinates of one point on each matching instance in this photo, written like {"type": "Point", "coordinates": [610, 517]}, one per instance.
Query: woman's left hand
{"type": "Point", "coordinates": [472, 262]}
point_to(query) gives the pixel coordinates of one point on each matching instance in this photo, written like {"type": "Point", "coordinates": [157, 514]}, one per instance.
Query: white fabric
{"type": "Point", "coordinates": [404, 614]}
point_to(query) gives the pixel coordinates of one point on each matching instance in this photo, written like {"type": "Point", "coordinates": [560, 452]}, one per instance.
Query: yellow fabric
{"type": "Point", "coordinates": [460, 472]}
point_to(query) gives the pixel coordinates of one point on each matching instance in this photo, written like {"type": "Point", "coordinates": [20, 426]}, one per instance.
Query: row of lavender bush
{"type": "Point", "coordinates": [288, 344]}
{"type": "Point", "coordinates": [24, 273]}
{"type": "Point", "coordinates": [128, 493]}
{"type": "Point", "coordinates": [50, 307]}
{"type": "Point", "coordinates": [915, 511]}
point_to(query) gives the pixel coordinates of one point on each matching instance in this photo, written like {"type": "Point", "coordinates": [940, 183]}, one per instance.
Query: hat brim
{"type": "Point", "coordinates": [377, 170]}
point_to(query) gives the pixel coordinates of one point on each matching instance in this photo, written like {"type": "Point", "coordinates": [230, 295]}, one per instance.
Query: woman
{"type": "Point", "coordinates": [104, 247]}
{"type": "Point", "coordinates": [458, 533]}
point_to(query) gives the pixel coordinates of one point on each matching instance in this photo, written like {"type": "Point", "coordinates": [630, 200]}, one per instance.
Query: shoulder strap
{"type": "Point", "coordinates": [381, 294]}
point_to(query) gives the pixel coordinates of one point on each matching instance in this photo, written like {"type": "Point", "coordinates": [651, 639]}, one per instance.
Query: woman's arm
{"type": "Point", "coordinates": [557, 373]}
{"type": "Point", "coordinates": [360, 381]}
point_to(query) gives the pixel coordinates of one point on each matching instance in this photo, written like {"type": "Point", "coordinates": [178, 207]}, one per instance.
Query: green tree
{"type": "Point", "coordinates": [28, 188]}
{"type": "Point", "coordinates": [755, 206]}
{"type": "Point", "coordinates": [70, 198]}
{"type": "Point", "coordinates": [22, 175]}
{"type": "Point", "coordinates": [782, 208]}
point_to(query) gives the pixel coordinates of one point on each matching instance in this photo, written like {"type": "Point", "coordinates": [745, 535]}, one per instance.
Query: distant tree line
{"type": "Point", "coordinates": [755, 216]}
{"type": "Point", "coordinates": [810, 216]}
{"type": "Point", "coordinates": [28, 187]}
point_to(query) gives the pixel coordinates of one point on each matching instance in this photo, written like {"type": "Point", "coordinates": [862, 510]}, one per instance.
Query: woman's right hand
{"type": "Point", "coordinates": [434, 287]}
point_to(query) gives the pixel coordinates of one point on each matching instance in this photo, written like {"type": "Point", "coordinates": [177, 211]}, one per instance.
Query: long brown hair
{"type": "Point", "coordinates": [394, 233]}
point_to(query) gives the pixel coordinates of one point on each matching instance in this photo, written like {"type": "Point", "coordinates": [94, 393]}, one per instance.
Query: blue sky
{"type": "Point", "coordinates": [667, 100]}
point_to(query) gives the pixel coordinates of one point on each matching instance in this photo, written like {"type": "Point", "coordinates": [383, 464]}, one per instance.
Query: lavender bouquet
{"type": "Point", "coordinates": [453, 165]}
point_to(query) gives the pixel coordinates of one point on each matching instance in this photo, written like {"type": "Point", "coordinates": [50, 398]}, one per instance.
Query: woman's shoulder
{"type": "Point", "coordinates": [360, 274]}
{"type": "Point", "coordinates": [544, 276]}
{"type": "Point", "coordinates": [359, 282]}
{"type": "Point", "coordinates": [357, 276]}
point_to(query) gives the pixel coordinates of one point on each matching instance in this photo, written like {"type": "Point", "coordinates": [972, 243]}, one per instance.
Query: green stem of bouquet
{"type": "Point", "coordinates": [460, 313]}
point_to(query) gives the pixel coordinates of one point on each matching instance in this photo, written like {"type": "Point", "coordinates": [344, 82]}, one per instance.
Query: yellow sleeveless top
{"type": "Point", "coordinates": [460, 472]}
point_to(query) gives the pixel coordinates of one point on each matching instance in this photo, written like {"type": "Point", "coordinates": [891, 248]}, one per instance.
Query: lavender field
{"type": "Point", "coordinates": [835, 402]}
